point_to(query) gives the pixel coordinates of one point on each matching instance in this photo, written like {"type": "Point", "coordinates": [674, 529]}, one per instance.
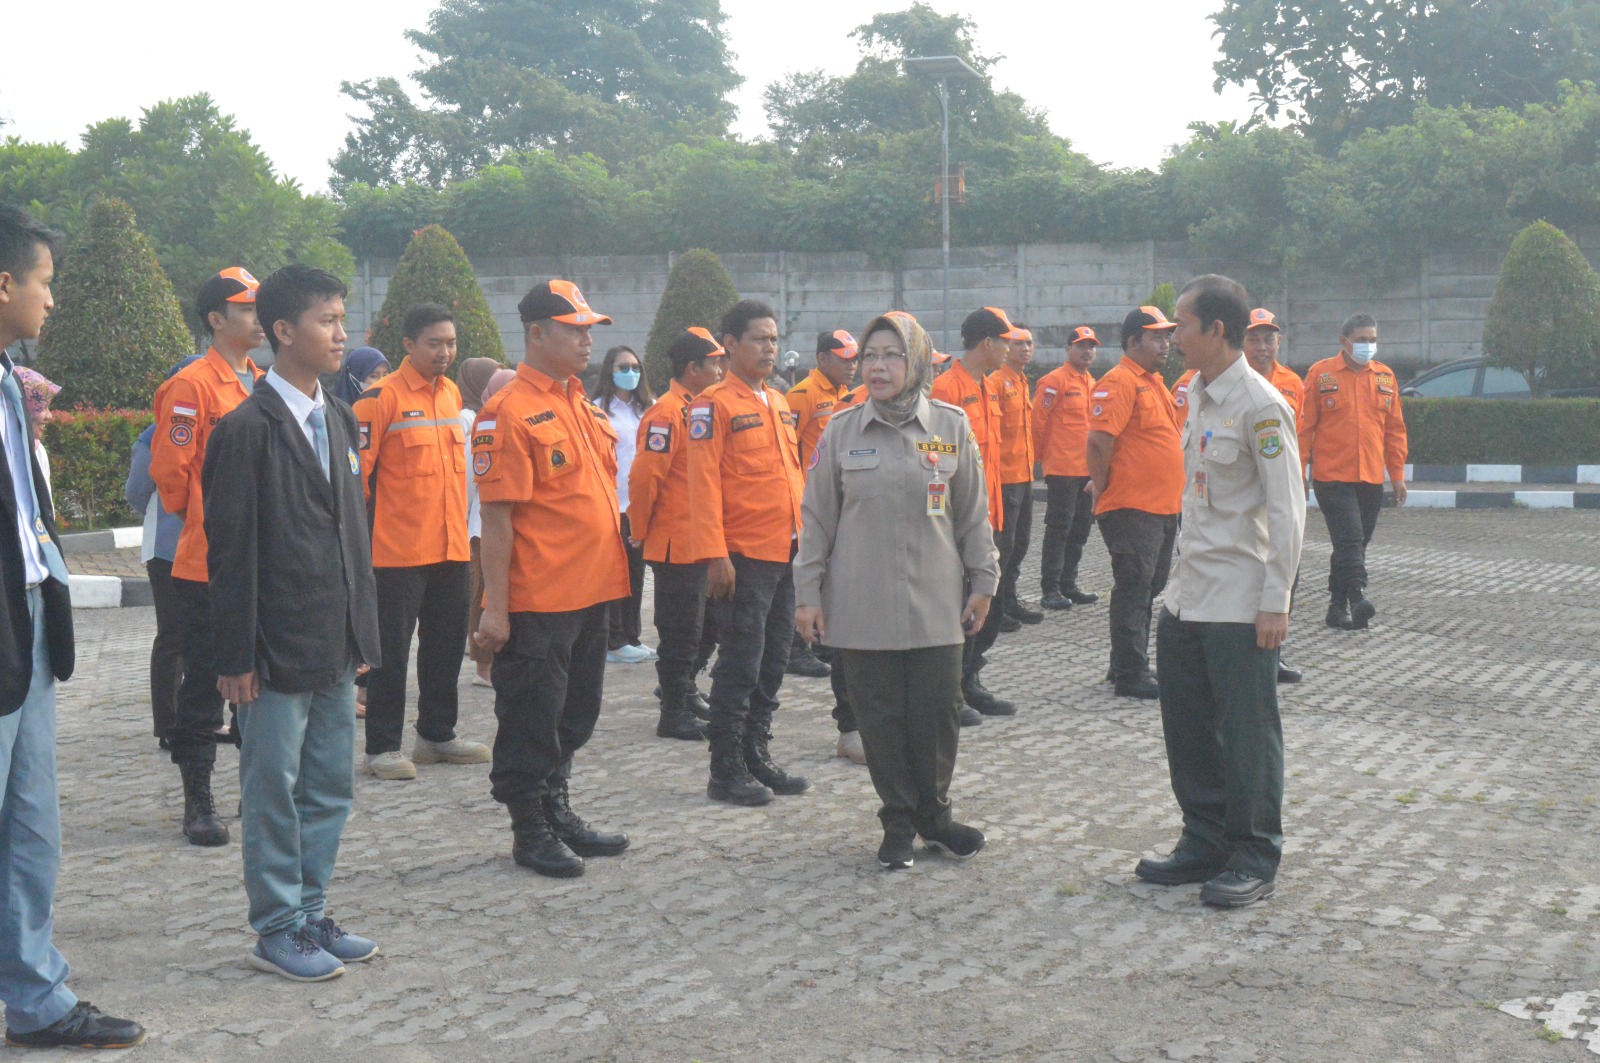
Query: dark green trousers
{"type": "Point", "coordinates": [908, 707]}
{"type": "Point", "coordinates": [1219, 709]}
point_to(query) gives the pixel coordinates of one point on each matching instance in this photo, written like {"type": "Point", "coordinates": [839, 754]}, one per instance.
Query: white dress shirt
{"type": "Point", "coordinates": [300, 404]}
{"type": "Point", "coordinates": [18, 451]}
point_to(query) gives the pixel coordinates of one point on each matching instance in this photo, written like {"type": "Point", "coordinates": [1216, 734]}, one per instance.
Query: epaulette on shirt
{"type": "Point", "coordinates": [947, 405]}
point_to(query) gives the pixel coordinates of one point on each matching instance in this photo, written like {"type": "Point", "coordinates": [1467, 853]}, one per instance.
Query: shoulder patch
{"type": "Point", "coordinates": [658, 438]}
{"type": "Point", "coordinates": [365, 429]}
{"type": "Point", "coordinates": [700, 420]}
{"type": "Point", "coordinates": [1268, 439]}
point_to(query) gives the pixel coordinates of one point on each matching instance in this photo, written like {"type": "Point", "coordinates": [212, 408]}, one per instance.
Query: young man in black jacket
{"type": "Point", "coordinates": [36, 649]}
{"type": "Point", "coordinates": [294, 615]}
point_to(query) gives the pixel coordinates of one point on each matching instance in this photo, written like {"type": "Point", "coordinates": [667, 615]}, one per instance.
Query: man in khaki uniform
{"type": "Point", "coordinates": [1227, 608]}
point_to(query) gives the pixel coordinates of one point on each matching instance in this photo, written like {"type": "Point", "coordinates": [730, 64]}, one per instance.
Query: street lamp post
{"type": "Point", "coordinates": [943, 68]}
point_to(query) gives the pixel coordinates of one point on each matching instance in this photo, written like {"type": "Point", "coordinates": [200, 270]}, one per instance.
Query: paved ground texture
{"type": "Point", "coordinates": [1440, 862]}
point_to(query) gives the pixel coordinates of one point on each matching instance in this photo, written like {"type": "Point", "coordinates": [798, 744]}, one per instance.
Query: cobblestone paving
{"type": "Point", "coordinates": [123, 563]}
{"type": "Point", "coordinates": [1440, 860]}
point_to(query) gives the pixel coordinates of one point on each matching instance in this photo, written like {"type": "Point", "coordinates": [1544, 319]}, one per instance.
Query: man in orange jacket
{"type": "Point", "coordinates": [414, 473]}
{"type": "Point", "coordinates": [188, 406]}
{"type": "Point", "coordinates": [744, 494]}
{"type": "Point", "coordinates": [813, 401]}
{"type": "Point", "coordinates": [545, 461]}
{"type": "Point", "coordinates": [1061, 435]}
{"type": "Point", "coordinates": [1010, 383]}
{"type": "Point", "coordinates": [1136, 464]}
{"type": "Point", "coordinates": [659, 519]}
{"type": "Point", "coordinates": [1261, 344]}
{"type": "Point", "coordinates": [1352, 433]}
{"type": "Point", "coordinates": [986, 337]}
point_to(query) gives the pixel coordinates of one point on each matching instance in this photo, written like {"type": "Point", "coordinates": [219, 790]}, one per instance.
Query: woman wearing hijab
{"type": "Point", "coordinates": [37, 392]}
{"type": "Point", "coordinates": [363, 367]}
{"type": "Point", "coordinates": [624, 396]}
{"type": "Point", "coordinates": [473, 381]}
{"type": "Point", "coordinates": [896, 565]}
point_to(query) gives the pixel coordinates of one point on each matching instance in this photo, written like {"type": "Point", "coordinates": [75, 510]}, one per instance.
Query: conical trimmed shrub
{"type": "Point", "coordinates": [699, 291]}
{"type": "Point", "coordinates": [434, 269]}
{"type": "Point", "coordinates": [1544, 320]}
{"type": "Point", "coordinates": [117, 326]}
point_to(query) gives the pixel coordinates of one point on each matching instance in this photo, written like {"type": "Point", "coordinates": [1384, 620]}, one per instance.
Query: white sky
{"type": "Point", "coordinates": [1071, 58]}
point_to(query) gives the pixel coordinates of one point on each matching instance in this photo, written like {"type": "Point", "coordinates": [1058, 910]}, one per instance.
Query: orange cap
{"type": "Point", "coordinates": [1160, 321]}
{"type": "Point", "coordinates": [1083, 334]}
{"type": "Point", "coordinates": [939, 358]}
{"type": "Point", "coordinates": [559, 300]}
{"type": "Point", "coordinates": [1261, 317]}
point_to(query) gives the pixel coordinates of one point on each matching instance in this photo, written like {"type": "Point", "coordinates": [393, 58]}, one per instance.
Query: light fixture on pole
{"type": "Point", "coordinates": [944, 69]}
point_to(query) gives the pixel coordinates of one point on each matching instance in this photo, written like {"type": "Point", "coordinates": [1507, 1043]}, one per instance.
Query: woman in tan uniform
{"type": "Point", "coordinates": [896, 565]}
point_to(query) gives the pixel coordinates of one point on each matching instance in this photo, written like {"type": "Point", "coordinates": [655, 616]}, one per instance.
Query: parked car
{"type": "Point", "coordinates": [1470, 378]}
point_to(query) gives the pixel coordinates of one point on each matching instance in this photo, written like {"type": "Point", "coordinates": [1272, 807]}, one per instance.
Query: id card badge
{"type": "Point", "coordinates": [937, 498]}
{"type": "Point", "coordinates": [1202, 493]}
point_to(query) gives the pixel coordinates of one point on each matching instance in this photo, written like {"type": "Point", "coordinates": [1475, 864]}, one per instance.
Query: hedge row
{"type": "Point", "coordinates": [89, 452]}
{"type": "Point", "coordinates": [1503, 431]}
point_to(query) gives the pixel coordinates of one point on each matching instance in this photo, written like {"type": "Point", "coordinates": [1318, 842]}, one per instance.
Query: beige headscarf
{"type": "Point", "coordinates": [472, 378]}
{"type": "Point", "coordinates": [919, 364]}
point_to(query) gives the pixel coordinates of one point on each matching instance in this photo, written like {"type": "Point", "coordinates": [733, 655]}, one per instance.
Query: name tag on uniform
{"type": "Point", "coordinates": [938, 497]}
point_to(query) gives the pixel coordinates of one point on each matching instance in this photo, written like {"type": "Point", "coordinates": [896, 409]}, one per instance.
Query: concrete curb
{"type": "Point", "coordinates": [1429, 498]}
{"type": "Point", "coordinates": [1504, 474]}
{"type": "Point", "coordinates": [109, 592]}
{"type": "Point", "coordinates": [102, 541]}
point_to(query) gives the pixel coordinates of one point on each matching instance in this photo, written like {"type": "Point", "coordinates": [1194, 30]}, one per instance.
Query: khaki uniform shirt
{"type": "Point", "coordinates": [1244, 506]}
{"type": "Point", "coordinates": [887, 574]}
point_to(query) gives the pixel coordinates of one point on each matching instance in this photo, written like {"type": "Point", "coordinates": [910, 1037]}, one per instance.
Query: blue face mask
{"type": "Point", "coordinates": [625, 379]}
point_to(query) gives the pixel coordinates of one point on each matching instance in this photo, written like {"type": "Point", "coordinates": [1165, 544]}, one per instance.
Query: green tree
{"type": "Point", "coordinates": [434, 269]}
{"type": "Point", "coordinates": [204, 193]}
{"type": "Point", "coordinates": [699, 291]}
{"type": "Point", "coordinates": [1336, 68]}
{"type": "Point", "coordinates": [117, 327]}
{"type": "Point", "coordinates": [503, 76]}
{"type": "Point", "coordinates": [1544, 321]}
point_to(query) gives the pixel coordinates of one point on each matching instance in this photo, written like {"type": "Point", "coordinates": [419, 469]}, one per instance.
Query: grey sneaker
{"type": "Point", "coordinates": [295, 955]}
{"type": "Point", "coordinates": [455, 751]}
{"type": "Point", "coordinates": [347, 948]}
{"type": "Point", "coordinates": [391, 765]}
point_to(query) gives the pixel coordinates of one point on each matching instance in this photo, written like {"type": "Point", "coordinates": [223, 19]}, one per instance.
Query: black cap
{"type": "Point", "coordinates": [988, 323]}
{"type": "Point", "coordinates": [559, 300]}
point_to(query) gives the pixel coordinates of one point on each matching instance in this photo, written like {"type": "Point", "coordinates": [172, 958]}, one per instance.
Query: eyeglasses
{"type": "Point", "coordinates": [885, 357]}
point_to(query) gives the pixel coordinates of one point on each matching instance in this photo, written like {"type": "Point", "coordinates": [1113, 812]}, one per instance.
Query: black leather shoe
{"type": "Point", "coordinates": [897, 851]}
{"type": "Point", "coordinates": [1338, 616]}
{"type": "Point", "coordinates": [85, 1026]}
{"type": "Point", "coordinates": [957, 840]}
{"type": "Point", "coordinates": [1024, 613]}
{"type": "Point", "coordinates": [1177, 869]}
{"type": "Point", "coordinates": [970, 717]}
{"type": "Point", "coordinates": [1361, 612]}
{"type": "Point", "coordinates": [575, 833]}
{"type": "Point", "coordinates": [1287, 674]}
{"type": "Point", "coordinates": [1056, 600]}
{"type": "Point", "coordinates": [1145, 689]}
{"type": "Point", "coordinates": [1081, 597]}
{"type": "Point", "coordinates": [1009, 624]}
{"type": "Point", "coordinates": [1233, 890]}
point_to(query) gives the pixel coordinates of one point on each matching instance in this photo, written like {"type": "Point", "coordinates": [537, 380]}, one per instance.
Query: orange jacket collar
{"type": "Point", "coordinates": [545, 382]}
{"type": "Point", "coordinates": [413, 379]}
{"type": "Point", "coordinates": [219, 365]}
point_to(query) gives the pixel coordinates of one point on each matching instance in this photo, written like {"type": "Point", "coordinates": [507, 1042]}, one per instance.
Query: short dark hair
{"type": "Point", "coordinates": [422, 316]}
{"type": "Point", "coordinates": [740, 314]}
{"type": "Point", "coordinates": [290, 292]}
{"type": "Point", "coordinates": [21, 236]}
{"type": "Point", "coordinates": [1357, 321]}
{"type": "Point", "coordinates": [1219, 298]}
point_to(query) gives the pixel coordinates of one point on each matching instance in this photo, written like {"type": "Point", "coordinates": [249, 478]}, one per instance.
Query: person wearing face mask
{"type": "Point", "coordinates": [624, 396]}
{"type": "Point", "coordinates": [1352, 434]}
{"type": "Point", "coordinates": [1136, 473]}
{"type": "Point", "coordinates": [897, 567]}
{"type": "Point", "coordinates": [362, 369]}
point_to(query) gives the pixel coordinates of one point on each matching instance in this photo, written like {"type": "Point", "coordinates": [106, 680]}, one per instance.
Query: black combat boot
{"type": "Point", "coordinates": [758, 761]}
{"type": "Point", "coordinates": [200, 823]}
{"type": "Point", "coordinates": [730, 780]}
{"type": "Point", "coordinates": [534, 844]}
{"type": "Point", "coordinates": [1361, 611]}
{"type": "Point", "coordinates": [978, 696]}
{"type": "Point", "coordinates": [678, 720]}
{"type": "Point", "coordinates": [1022, 612]}
{"type": "Point", "coordinates": [1338, 614]}
{"type": "Point", "coordinates": [578, 836]}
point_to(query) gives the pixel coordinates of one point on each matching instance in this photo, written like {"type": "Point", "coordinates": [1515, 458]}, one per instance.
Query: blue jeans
{"type": "Point", "coordinates": [33, 974]}
{"type": "Point", "coordinates": [296, 781]}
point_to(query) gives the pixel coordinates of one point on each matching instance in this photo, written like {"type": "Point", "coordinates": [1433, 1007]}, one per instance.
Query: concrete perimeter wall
{"type": "Point", "coordinates": [1431, 318]}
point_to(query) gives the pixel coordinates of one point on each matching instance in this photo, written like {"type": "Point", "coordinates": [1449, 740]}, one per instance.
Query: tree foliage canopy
{"type": "Point", "coordinates": [512, 76]}
{"type": "Point", "coordinates": [1544, 321]}
{"type": "Point", "coordinates": [698, 292]}
{"type": "Point", "coordinates": [1336, 68]}
{"type": "Point", "coordinates": [205, 194]}
{"type": "Point", "coordinates": [117, 327]}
